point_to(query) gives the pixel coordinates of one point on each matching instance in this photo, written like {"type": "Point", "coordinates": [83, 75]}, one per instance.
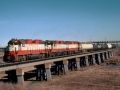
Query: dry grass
{"type": "Point", "coordinates": [114, 60]}
{"type": "Point", "coordinates": [93, 78]}
{"type": "Point", "coordinates": [98, 77]}
{"type": "Point", "coordinates": [9, 86]}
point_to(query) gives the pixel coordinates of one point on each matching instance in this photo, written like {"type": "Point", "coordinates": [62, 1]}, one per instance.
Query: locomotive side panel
{"type": "Point", "coordinates": [73, 46]}
{"type": "Point", "coordinates": [59, 47]}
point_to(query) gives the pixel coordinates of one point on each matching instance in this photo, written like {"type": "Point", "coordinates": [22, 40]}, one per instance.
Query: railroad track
{"type": "Point", "coordinates": [43, 59]}
{"type": "Point", "coordinates": [36, 60]}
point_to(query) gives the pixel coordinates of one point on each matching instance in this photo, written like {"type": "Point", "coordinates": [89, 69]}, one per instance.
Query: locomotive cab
{"type": "Point", "coordinates": [10, 51]}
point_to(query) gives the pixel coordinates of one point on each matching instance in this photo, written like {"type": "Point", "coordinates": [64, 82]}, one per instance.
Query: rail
{"type": "Point", "coordinates": [50, 58]}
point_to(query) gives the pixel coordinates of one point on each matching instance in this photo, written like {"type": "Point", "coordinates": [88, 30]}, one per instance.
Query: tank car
{"type": "Point", "coordinates": [114, 46]}
{"type": "Point", "coordinates": [86, 47]}
{"type": "Point", "coordinates": [104, 46]}
{"type": "Point", "coordinates": [109, 45]}
{"type": "Point", "coordinates": [95, 46]}
{"type": "Point", "coordinates": [100, 46]}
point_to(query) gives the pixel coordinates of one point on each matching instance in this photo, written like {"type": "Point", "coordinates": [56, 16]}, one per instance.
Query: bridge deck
{"type": "Point", "coordinates": [7, 67]}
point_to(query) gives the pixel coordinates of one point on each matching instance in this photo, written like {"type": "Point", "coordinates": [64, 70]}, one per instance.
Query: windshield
{"type": "Point", "coordinates": [14, 42]}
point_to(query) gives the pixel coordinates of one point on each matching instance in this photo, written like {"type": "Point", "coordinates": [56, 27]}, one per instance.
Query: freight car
{"type": "Point", "coordinates": [86, 47]}
{"type": "Point", "coordinates": [27, 49]}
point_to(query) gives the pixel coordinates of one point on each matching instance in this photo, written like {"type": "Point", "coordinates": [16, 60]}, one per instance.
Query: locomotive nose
{"type": "Point", "coordinates": [8, 58]}
{"type": "Point", "coordinates": [5, 58]}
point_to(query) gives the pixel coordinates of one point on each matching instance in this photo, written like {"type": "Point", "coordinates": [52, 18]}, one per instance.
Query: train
{"type": "Point", "coordinates": [19, 50]}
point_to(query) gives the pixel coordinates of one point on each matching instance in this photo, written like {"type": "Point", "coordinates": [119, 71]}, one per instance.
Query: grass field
{"type": "Point", "coordinates": [98, 77]}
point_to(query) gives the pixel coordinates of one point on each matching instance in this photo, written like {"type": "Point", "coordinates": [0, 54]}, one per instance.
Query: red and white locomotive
{"type": "Point", "coordinates": [28, 49]}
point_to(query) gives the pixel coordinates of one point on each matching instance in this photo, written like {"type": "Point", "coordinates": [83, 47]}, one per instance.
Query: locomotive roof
{"type": "Point", "coordinates": [37, 41]}
{"type": "Point", "coordinates": [24, 41]}
{"type": "Point", "coordinates": [60, 41]}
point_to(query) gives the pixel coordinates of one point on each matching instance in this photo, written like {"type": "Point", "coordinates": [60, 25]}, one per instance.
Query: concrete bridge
{"type": "Point", "coordinates": [45, 68]}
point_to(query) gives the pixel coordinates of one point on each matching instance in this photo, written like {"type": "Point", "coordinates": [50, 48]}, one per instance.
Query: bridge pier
{"type": "Point", "coordinates": [110, 54]}
{"type": "Point", "coordinates": [99, 58]}
{"type": "Point", "coordinates": [103, 56]}
{"type": "Point", "coordinates": [2, 74]}
{"type": "Point", "coordinates": [65, 62]}
{"type": "Point", "coordinates": [78, 63]}
{"type": "Point", "coordinates": [20, 76]}
{"type": "Point", "coordinates": [48, 71]}
{"type": "Point", "coordinates": [107, 56]}
{"type": "Point", "coordinates": [93, 58]}
{"type": "Point", "coordinates": [86, 60]}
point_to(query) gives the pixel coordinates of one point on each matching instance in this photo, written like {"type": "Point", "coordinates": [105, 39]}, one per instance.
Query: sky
{"type": "Point", "coordinates": [77, 20]}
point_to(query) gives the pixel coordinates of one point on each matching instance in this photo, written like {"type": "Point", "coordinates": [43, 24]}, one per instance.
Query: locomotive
{"type": "Point", "coordinates": [19, 50]}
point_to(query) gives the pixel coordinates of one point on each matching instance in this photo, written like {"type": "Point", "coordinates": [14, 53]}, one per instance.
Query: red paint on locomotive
{"type": "Point", "coordinates": [21, 49]}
